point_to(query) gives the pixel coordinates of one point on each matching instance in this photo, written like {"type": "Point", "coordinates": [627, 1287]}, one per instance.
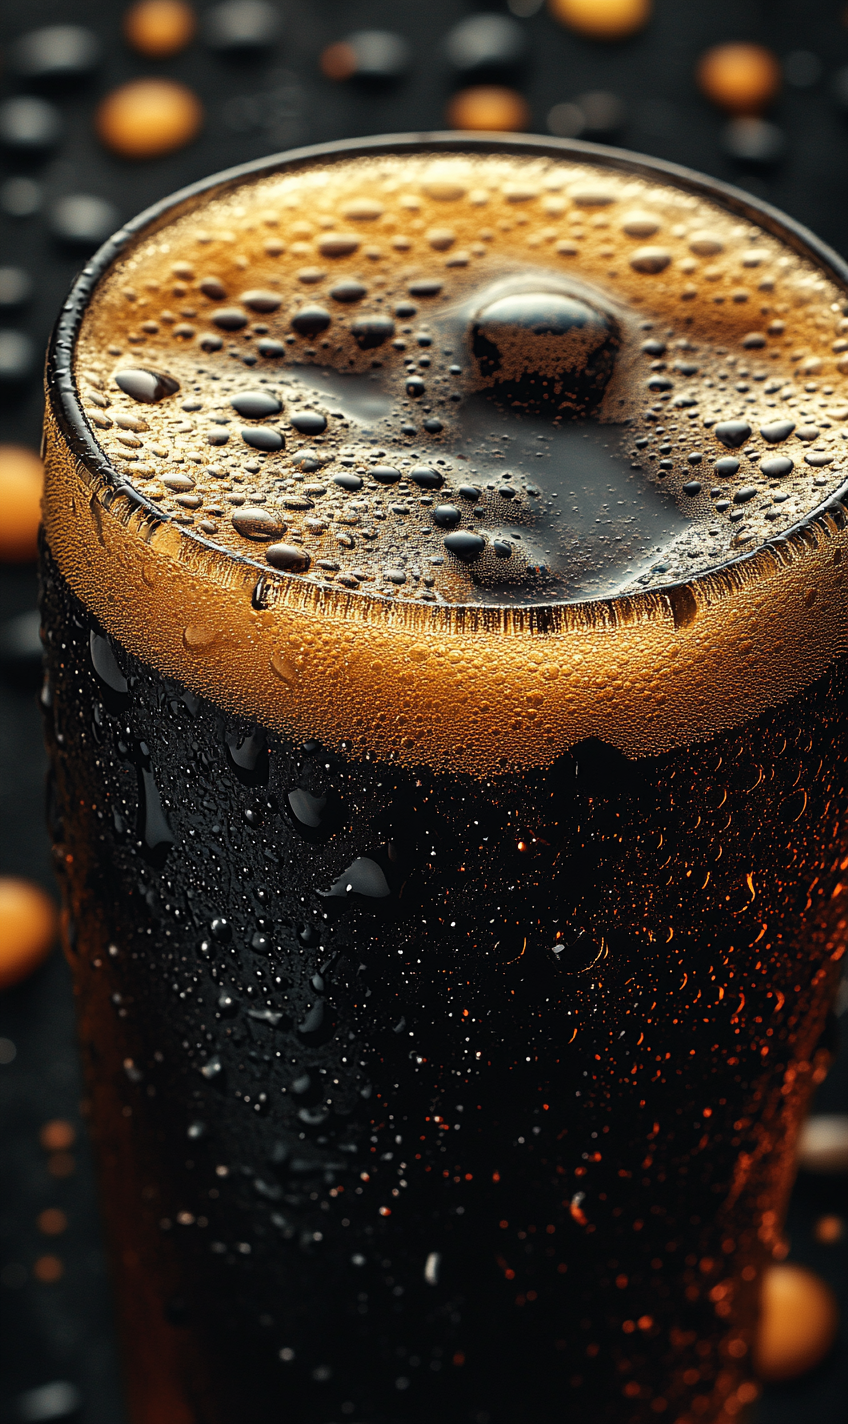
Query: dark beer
{"type": "Point", "coordinates": [444, 605]}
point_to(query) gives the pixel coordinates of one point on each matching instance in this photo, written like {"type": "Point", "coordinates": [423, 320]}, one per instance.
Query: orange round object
{"type": "Point", "coordinates": [602, 19]}
{"type": "Point", "coordinates": [21, 483]}
{"type": "Point", "coordinates": [798, 1323]}
{"type": "Point", "coordinates": [52, 1221]}
{"type": "Point", "coordinates": [158, 28]}
{"type": "Point", "coordinates": [57, 1135]}
{"type": "Point", "coordinates": [741, 78]}
{"type": "Point", "coordinates": [338, 61]}
{"type": "Point", "coordinates": [829, 1229]}
{"type": "Point", "coordinates": [490, 108]}
{"type": "Point", "coordinates": [27, 928]}
{"type": "Point", "coordinates": [149, 117]}
{"type": "Point", "coordinates": [48, 1269]}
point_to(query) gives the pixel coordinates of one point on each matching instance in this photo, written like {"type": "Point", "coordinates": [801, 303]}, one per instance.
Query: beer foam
{"type": "Point", "coordinates": [372, 408]}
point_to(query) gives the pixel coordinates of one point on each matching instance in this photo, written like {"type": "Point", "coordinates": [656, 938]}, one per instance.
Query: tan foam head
{"type": "Point", "coordinates": [435, 403]}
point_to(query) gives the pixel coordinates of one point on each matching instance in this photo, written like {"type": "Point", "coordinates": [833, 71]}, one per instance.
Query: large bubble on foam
{"type": "Point", "coordinates": [545, 351]}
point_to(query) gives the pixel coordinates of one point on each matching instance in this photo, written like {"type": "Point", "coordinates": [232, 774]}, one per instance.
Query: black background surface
{"type": "Point", "coordinates": [63, 1331]}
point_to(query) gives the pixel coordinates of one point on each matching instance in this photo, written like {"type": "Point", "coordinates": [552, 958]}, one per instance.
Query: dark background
{"type": "Point", "coordinates": [62, 1331]}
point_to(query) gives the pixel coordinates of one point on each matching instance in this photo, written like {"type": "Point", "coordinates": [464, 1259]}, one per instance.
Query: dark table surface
{"type": "Point", "coordinates": [60, 1332]}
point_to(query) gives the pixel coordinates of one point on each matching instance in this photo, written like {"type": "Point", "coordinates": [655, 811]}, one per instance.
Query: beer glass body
{"type": "Point", "coordinates": [420, 1090]}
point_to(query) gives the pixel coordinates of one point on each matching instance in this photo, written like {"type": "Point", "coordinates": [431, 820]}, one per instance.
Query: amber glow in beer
{"type": "Point", "coordinates": [444, 604]}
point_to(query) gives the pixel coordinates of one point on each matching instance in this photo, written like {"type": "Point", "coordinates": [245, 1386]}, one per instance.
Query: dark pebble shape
{"type": "Point", "coordinates": [469, 492]}
{"type": "Point", "coordinates": [808, 432]}
{"type": "Point", "coordinates": [726, 467]}
{"type": "Point", "coordinates": [15, 287]}
{"type": "Point", "coordinates": [446, 516]}
{"type": "Point", "coordinates": [464, 546]}
{"type": "Point", "coordinates": [781, 430]}
{"type": "Point", "coordinates": [289, 557]}
{"type": "Point", "coordinates": [385, 474]}
{"type": "Point", "coordinates": [371, 331]}
{"type": "Point", "coordinates": [692, 487]}
{"type": "Point", "coordinates": [347, 482]}
{"type": "Point", "coordinates": [426, 477]}
{"type": "Point", "coordinates": [818, 459]}
{"type": "Point", "coordinates": [405, 310]}
{"type": "Point", "coordinates": [310, 320]}
{"type": "Point", "coordinates": [777, 466]}
{"type": "Point", "coordinates": [732, 433]}
{"type": "Point", "coordinates": [82, 220]}
{"type": "Point", "coordinates": [660, 383]}
{"type": "Point", "coordinates": [261, 301]}
{"type": "Point", "coordinates": [259, 524]}
{"type": "Point", "coordinates": [144, 385]}
{"type": "Point", "coordinates": [486, 46]}
{"type": "Point", "coordinates": [56, 54]}
{"type": "Point", "coordinates": [743, 495]}
{"type": "Point", "coordinates": [652, 347]}
{"type": "Point", "coordinates": [242, 27]}
{"type": "Point", "coordinates": [433, 426]}
{"type": "Point", "coordinates": [217, 437]}
{"type": "Point", "coordinates": [268, 347]}
{"type": "Point", "coordinates": [29, 125]}
{"type": "Point", "coordinates": [695, 457]}
{"type": "Point", "coordinates": [308, 422]}
{"type": "Point", "coordinates": [415, 387]}
{"type": "Point", "coordinates": [260, 437]}
{"type": "Point", "coordinates": [502, 549]}
{"type": "Point", "coordinates": [210, 342]}
{"type": "Point", "coordinates": [230, 318]}
{"type": "Point", "coordinates": [254, 405]}
{"type": "Point", "coordinates": [425, 287]}
{"type": "Point", "coordinates": [350, 291]}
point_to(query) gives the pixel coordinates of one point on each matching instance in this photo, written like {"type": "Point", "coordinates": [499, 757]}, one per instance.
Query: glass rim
{"type": "Point", "coordinates": [63, 396]}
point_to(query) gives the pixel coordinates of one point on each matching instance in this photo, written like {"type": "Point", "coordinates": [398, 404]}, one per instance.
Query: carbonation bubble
{"type": "Point", "coordinates": [545, 351]}
{"type": "Point", "coordinates": [308, 422]}
{"type": "Point", "coordinates": [309, 321]}
{"type": "Point", "coordinates": [230, 318]}
{"type": "Point", "coordinates": [261, 301]}
{"type": "Point", "coordinates": [464, 546]}
{"type": "Point", "coordinates": [259, 437]}
{"type": "Point", "coordinates": [259, 524]}
{"type": "Point", "coordinates": [446, 516]}
{"type": "Point", "coordinates": [777, 466]}
{"type": "Point", "coordinates": [371, 331]}
{"type": "Point", "coordinates": [289, 557]}
{"type": "Point", "coordinates": [426, 477]}
{"type": "Point", "coordinates": [144, 385]}
{"type": "Point", "coordinates": [255, 404]}
{"type": "Point", "coordinates": [732, 433]}
{"type": "Point", "coordinates": [349, 291]}
{"type": "Point", "coordinates": [780, 430]}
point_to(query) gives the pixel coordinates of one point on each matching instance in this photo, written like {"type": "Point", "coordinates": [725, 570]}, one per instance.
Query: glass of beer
{"type": "Point", "coordinates": [445, 621]}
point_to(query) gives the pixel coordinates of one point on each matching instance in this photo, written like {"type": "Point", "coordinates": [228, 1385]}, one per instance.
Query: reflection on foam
{"type": "Point", "coordinates": [580, 523]}
{"type": "Point", "coordinates": [359, 398]}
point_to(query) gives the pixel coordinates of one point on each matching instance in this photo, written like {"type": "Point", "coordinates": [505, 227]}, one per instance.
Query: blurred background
{"type": "Point", "coordinates": [105, 109]}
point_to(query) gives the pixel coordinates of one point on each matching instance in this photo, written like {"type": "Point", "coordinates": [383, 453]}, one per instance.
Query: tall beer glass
{"type": "Point", "coordinates": [445, 625]}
